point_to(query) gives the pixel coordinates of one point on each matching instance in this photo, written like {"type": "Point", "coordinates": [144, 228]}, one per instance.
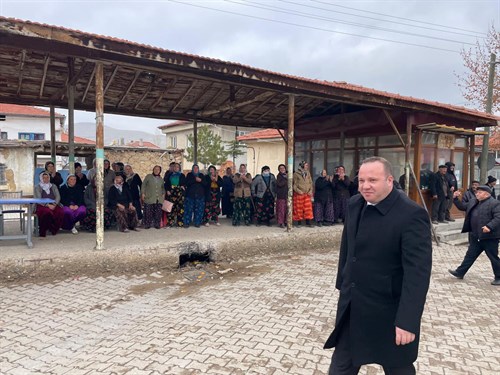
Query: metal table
{"type": "Point", "coordinates": [30, 202]}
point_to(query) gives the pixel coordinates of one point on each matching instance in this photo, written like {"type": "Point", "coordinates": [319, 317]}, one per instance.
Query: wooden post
{"type": "Point", "coordinates": [290, 146]}
{"type": "Point", "coordinates": [416, 162]}
{"type": "Point", "coordinates": [71, 128]}
{"type": "Point", "coordinates": [99, 153]}
{"type": "Point", "coordinates": [472, 158]}
{"type": "Point", "coordinates": [342, 147]}
{"type": "Point", "coordinates": [53, 134]}
{"type": "Point", "coordinates": [195, 141]}
{"type": "Point", "coordinates": [407, 154]}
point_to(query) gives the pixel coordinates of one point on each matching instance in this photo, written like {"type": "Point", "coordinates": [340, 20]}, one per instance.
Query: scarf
{"type": "Point", "coordinates": [175, 178]}
{"type": "Point", "coordinates": [119, 187]}
{"type": "Point", "coordinates": [45, 186]}
{"type": "Point", "coordinates": [129, 177]}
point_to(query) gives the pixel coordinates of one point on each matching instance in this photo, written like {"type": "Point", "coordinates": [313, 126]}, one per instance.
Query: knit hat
{"type": "Point", "coordinates": [491, 179]}
{"type": "Point", "coordinates": [484, 188]}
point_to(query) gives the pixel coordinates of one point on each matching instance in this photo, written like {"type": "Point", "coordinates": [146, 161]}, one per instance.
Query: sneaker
{"type": "Point", "coordinates": [207, 224]}
{"type": "Point", "coordinates": [74, 231]}
{"type": "Point", "coordinates": [456, 274]}
{"type": "Point", "coordinates": [495, 282]}
{"type": "Point", "coordinates": [126, 230]}
{"type": "Point", "coordinates": [217, 223]}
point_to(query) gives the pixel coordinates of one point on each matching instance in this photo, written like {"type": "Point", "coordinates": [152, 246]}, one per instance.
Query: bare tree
{"type": "Point", "coordinates": [473, 82]}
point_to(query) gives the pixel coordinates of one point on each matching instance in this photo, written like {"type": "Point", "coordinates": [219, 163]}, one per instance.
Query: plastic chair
{"type": "Point", "coordinates": [13, 208]}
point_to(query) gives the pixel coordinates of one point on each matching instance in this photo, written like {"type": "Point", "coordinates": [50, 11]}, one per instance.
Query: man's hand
{"type": "Point", "coordinates": [434, 197]}
{"type": "Point", "coordinates": [404, 337]}
{"type": "Point", "coordinates": [486, 229]}
{"type": "Point", "coordinates": [456, 194]}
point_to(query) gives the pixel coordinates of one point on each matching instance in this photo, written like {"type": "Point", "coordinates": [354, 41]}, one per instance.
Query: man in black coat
{"type": "Point", "coordinates": [482, 222]}
{"type": "Point", "coordinates": [383, 276]}
{"type": "Point", "coordinates": [453, 186]}
{"type": "Point", "coordinates": [440, 194]}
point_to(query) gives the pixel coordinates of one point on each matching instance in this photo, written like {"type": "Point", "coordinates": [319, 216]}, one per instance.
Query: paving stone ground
{"type": "Point", "coordinates": [269, 322]}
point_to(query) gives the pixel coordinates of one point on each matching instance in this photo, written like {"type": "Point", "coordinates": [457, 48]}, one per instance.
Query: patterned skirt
{"type": "Point", "coordinates": [212, 208]}
{"type": "Point", "coordinates": [90, 220]}
{"type": "Point", "coordinates": [264, 207]}
{"type": "Point", "coordinates": [242, 210]}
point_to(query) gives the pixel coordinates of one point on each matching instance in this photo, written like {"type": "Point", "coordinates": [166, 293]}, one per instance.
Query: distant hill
{"type": "Point", "coordinates": [87, 130]}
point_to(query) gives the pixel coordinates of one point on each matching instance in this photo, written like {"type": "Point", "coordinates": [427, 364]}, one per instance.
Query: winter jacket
{"type": "Point", "coordinates": [195, 189]}
{"type": "Point", "coordinates": [489, 215]}
{"type": "Point", "coordinates": [153, 189]}
{"type": "Point", "coordinates": [323, 191]}
{"type": "Point", "coordinates": [209, 188]}
{"type": "Point", "coordinates": [259, 186]}
{"type": "Point", "coordinates": [115, 197]}
{"type": "Point", "coordinates": [302, 182]}
{"type": "Point", "coordinates": [439, 186]}
{"type": "Point", "coordinates": [282, 186]}
{"type": "Point", "coordinates": [71, 195]}
{"type": "Point", "coordinates": [241, 188]}
{"type": "Point", "coordinates": [341, 187]}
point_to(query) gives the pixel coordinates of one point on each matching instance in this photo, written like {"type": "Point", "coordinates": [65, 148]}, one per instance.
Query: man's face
{"type": "Point", "coordinates": [481, 195]}
{"type": "Point", "coordinates": [228, 171]}
{"type": "Point", "coordinates": [475, 185]}
{"type": "Point", "coordinates": [50, 168]}
{"type": "Point", "coordinates": [442, 170]}
{"type": "Point", "coordinates": [78, 169]}
{"type": "Point", "coordinates": [374, 184]}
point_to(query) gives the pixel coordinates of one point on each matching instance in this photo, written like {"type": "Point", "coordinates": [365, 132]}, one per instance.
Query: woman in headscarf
{"type": "Point", "coordinates": [264, 193]}
{"type": "Point", "coordinates": [81, 179]}
{"type": "Point", "coordinates": [50, 216]}
{"type": "Point", "coordinates": [242, 209]}
{"type": "Point", "coordinates": [72, 203]}
{"type": "Point", "coordinates": [302, 193]}
{"type": "Point", "coordinates": [153, 194]}
{"type": "Point", "coordinates": [120, 201]}
{"type": "Point", "coordinates": [109, 176]}
{"type": "Point", "coordinates": [195, 197]}
{"type": "Point", "coordinates": [228, 193]}
{"type": "Point", "coordinates": [55, 177]}
{"type": "Point", "coordinates": [134, 182]}
{"type": "Point", "coordinates": [89, 197]}
{"type": "Point", "coordinates": [175, 185]}
{"type": "Point", "coordinates": [281, 195]}
{"type": "Point", "coordinates": [341, 194]}
{"type": "Point", "coordinates": [213, 183]}
{"type": "Point", "coordinates": [323, 199]}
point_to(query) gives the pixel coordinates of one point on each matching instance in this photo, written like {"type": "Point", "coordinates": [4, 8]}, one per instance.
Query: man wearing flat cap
{"type": "Point", "coordinates": [482, 222]}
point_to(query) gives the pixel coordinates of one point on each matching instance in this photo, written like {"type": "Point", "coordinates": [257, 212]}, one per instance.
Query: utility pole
{"type": "Point", "coordinates": [489, 105]}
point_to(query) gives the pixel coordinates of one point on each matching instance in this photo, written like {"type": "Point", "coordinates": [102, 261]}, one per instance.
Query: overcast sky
{"type": "Point", "coordinates": [322, 39]}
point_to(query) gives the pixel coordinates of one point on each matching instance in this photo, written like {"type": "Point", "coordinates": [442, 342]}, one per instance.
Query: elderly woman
{"type": "Point", "coordinates": [213, 183]}
{"type": "Point", "coordinates": [264, 193]}
{"type": "Point", "coordinates": [50, 216]}
{"type": "Point", "coordinates": [153, 194]}
{"type": "Point", "coordinates": [302, 192]}
{"type": "Point", "coordinates": [242, 209]}
{"type": "Point", "coordinates": [73, 204]}
{"type": "Point", "coordinates": [109, 175]}
{"type": "Point", "coordinates": [281, 195]}
{"type": "Point", "coordinates": [175, 186]}
{"type": "Point", "coordinates": [134, 182]}
{"type": "Point", "coordinates": [89, 197]}
{"type": "Point", "coordinates": [323, 199]}
{"type": "Point", "coordinates": [341, 194]}
{"type": "Point", "coordinates": [195, 197]}
{"type": "Point", "coordinates": [55, 177]}
{"type": "Point", "coordinates": [227, 193]}
{"type": "Point", "coordinates": [120, 202]}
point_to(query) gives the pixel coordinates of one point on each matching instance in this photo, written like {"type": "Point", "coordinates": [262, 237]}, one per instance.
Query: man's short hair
{"type": "Point", "coordinates": [77, 164]}
{"type": "Point", "coordinates": [387, 165]}
{"type": "Point", "coordinates": [475, 182]}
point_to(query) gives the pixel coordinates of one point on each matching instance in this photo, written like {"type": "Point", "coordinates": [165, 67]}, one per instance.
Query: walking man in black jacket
{"type": "Point", "coordinates": [482, 222]}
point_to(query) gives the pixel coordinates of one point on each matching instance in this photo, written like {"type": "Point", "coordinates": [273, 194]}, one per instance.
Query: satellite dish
{"type": "Point", "coordinates": [490, 163]}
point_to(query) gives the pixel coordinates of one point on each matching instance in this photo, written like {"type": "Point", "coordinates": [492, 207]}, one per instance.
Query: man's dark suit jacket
{"type": "Point", "coordinates": [383, 277]}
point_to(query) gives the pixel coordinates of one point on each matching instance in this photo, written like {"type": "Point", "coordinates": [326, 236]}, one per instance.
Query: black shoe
{"type": "Point", "coordinates": [268, 223]}
{"type": "Point", "coordinates": [435, 222]}
{"type": "Point", "coordinates": [308, 223]}
{"type": "Point", "coordinates": [456, 274]}
{"type": "Point", "coordinates": [282, 226]}
{"type": "Point", "coordinates": [186, 226]}
{"type": "Point", "coordinates": [299, 223]}
{"type": "Point", "coordinates": [258, 223]}
{"type": "Point", "coordinates": [319, 224]}
{"type": "Point", "coordinates": [197, 225]}
{"type": "Point", "coordinates": [442, 221]}
{"type": "Point", "coordinates": [495, 282]}
{"type": "Point", "coordinates": [450, 219]}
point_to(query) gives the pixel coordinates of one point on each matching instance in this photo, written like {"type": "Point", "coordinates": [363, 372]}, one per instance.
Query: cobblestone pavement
{"type": "Point", "coordinates": [273, 321]}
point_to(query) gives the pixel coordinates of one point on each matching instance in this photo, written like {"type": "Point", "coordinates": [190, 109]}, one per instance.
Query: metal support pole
{"type": "Point", "coordinates": [489, 104]}
{"type": "Point", "coordinates": [195, 141]}
{"type": "Point", "coordinates": [53, 134]}
{"type": "Point", "coordinates": [290, 146]}
{"type": "Point", "coordinates": [99, 153]}
{"type": "Point", "coordinates": [71, 128]}
{"type": "Point", "coordinates": [342, 147]}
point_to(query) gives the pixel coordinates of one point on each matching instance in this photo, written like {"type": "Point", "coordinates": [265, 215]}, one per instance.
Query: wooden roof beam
{"type": "Point", "coordinates": [260, 106]}
{"type": "Point", "coordinates": [89, 83]}
{"type": "Point", "coordinates": [148, 89]}
{"type": "Point", "coordinates": [200, 95]}
{"type": "Point", "coordinates": [272, 109]}
{"type": "Point", "coordinates": [183, 96]}
{"type": "Point", "coordinates": [170, 86]}
{"type": "Point", "coordinates": [72, 80]}
{"type": "Point", "coordinates": [136, 76]}
{"type": "Point", "coordinates": [21, 71]}
{"type": "Point", "coordinates": [310, 106]}
{"type": "Point", "coordinates": [217, 94]}
{"type": "Point", "coordinates": [44, 76]}
{"type": "Point", "coordinates": [111, 79]}
{"type": "Point", "coordinates": [227, 107]}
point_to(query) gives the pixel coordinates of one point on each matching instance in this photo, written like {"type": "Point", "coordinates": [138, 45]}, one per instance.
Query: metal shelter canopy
{"type": "Point", "coordinates": [38, 63]}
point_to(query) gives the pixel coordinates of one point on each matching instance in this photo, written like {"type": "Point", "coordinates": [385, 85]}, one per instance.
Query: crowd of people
{"type": "Point", "coordinates": [175, 199]}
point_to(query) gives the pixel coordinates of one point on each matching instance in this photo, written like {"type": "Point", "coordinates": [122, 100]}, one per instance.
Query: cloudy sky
{"type": "Point", "coordinates": [401, 46]}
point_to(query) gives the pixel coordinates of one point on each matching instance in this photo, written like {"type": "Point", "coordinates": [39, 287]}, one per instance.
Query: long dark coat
{"type": "Point", "coordinates": [383, 277]}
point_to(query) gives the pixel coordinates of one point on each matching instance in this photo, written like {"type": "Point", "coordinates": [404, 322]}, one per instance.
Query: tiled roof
{"type": "Point", "coordinates": [494, 143]}
{"type": "Point", "coordinates": [236, 66]}
{"type": "Point", "coordinates": [262, 134]}
{"type": "Point", "coordinates": [142, 144]}
{"type": "Point", "coordinates": [174, 124]}
{"type": "Point", "coordinates": [65, 138]}
{"type": "Point", "coordinates": [25, 110]}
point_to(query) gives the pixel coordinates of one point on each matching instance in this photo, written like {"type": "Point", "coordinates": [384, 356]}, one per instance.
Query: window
{"type": "Point", "coordinates": [2, 117]}
{"type": "Point", "coordinates": [3, 179]}
{"type": "Point", "coordinates": [4, 135]}
{"type": "Point", "coordinates": [241, 132]}
{"type": "Point", "coordinates": [31, 136]}
{"type": "Point", "coordinates": [173, 141]}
